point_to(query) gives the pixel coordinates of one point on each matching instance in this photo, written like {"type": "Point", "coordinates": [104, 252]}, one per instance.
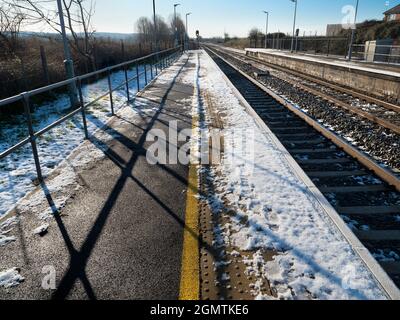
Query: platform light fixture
{"type": "Point", "coordinates": [294, 24]}
{"type": "Point", "coordinates": [266, 28]}
{"type": "Point", "coordinates": [353, 33]}
{"type": "Point", "coordinates": [187, 31]}
{"type": "Point", "coordinates": [175, 26]}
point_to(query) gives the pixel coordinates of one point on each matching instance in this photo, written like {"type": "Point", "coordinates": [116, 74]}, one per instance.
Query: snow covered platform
{"type": "Point", "coordinates": [367, 78]}
{"type": "Point", "coordinates": [112, 222]}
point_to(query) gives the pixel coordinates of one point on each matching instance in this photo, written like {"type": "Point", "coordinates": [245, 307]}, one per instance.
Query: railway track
{"type": "Point", "coordinates": [383, 113]}
{"type": "Point", "coordinates": [366, 195]}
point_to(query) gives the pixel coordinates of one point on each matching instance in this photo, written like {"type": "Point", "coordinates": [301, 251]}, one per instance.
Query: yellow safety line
{"type": "Point", "coordinates": [190, 272]}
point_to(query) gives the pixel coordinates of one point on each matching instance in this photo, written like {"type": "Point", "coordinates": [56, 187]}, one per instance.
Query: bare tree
{"type": "Point", "coordinates": [145, 28]}
{"type": "Point", "coordinates": [255, 34]}
{"type": "Point", "coordinates": [10, 24]}
{"type": "Point", "coordinates": [179, 27]}
{"type": "Point", "coordinates": [163, 31]}
{"type": "Point", "coordinates": [78, 18]}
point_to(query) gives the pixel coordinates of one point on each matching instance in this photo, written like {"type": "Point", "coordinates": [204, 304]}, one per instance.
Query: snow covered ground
{"type": "Point", "coordinates": [17, 171]}
{"type": "Point", "coordinates": [274, 211]}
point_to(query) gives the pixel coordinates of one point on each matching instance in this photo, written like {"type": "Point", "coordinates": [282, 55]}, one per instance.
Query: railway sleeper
{"type": "Point", "coordinates": [299, 135]}
{"type": "Point", "coordinates": [316, 141]}
{"type": "Point", "coordinates": [295, 129]}
{"type": "Point", "coordinates": [315, 151]}
{"type": "Point", "coordinates": [369, 210]}
{"type": "Point", "coordinates": [333, 174]}
{"type": "Point", "coordinates": [323, 161]}
{"type": "Point", "coordinates": [378, 235]}
{"type": "Point", "coordinates": [391, 267]}
{"type": "Point", "coordinates": [352, 189]}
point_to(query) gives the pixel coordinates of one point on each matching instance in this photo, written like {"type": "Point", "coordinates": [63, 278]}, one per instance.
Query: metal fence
{"type": "Point", "coordinates": [153, 64]}
{"type": "Point", "coordinates": [377, 53]}
{"type": "Point", "coordinates": [336, 47]}
{"type": "Point", "coordinates": [38, 62]}
{"type": "Point", "coordinates": [333, 46]}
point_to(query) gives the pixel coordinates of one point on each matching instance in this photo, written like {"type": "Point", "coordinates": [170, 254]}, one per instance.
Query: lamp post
{"type": "Point", "coordinates": [175, 26]}
{"type": "Point", "coordinates": [294, 23]}
{"type": "Point", "coordinates": [155, 26]}
{"type": "Point", "coordinates": [353, 33]}
{"type": "Point", "coordinates": [69, 65]}
{"type": "Point", "coordinates": [266, 28]}
{"type": "Point", "coordinates": [187, 32]}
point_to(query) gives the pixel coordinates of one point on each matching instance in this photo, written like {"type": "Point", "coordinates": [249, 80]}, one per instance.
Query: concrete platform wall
{"type": "Point", "coordinates": [380, 85]}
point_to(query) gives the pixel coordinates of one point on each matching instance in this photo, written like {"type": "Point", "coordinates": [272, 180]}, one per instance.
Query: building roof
{"type": "Point", "coordinates": [394, 10]}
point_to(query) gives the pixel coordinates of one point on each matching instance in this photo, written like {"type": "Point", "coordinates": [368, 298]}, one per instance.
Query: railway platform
{"type": "Point", "coordinates": [367, 78]}
{"type": "Point", "coordinates": [127, 217]}
{"type": "Point", "coordinates": [379, 68]}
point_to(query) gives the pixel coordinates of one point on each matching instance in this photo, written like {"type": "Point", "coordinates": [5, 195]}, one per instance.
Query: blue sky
{"type": "Point", "coordinates": [237, 17]}
{"type": "Point", "coordinates": [212, 17]}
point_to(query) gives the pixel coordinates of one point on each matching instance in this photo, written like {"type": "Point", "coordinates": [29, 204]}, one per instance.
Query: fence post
{"type": "Point", "coordinates": [32, 137]}
{"type": "Point", "coordinates": [137, 77]}
{"type": "Point", "coordinates": [316, 45]}
{"type": "Point", "coordinates": [83, 109]}
{"type": "Point", "coordinates": [145, 73]}
{"type": "Point", "coordinates": [95, 62]}
{"type": "Point", "coordinates": [329, 46]}
{"type": "Point", "coordinates": [151, 68]}
{"type": "Point", "coordinates": [24, 74]}
{"type": "Point", "coordinates": [126, 83]}
{"type": "Point", "coordinates": [123, 50]}
{"type": "Point", "coordinates": [44, 65]}
{"type": "Point", "coordinates": [110, 89]}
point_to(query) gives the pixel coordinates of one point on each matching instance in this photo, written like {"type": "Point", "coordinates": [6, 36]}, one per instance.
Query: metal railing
{"type": "Point", "coordinates": [156, 61]}
{"type": "Point", "coordinates": [324, 46]}
{"type": "Point", "coordinates": [389, 54]}
{"type": "Point", "coordinates": [335, 47]}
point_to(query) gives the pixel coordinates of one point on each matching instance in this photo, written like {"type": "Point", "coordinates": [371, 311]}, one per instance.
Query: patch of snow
{"type": "Point", "coordinates": [41, 230]}
{"type": "Point", "coordinates": [4, 240]}
{"type": "Point", "coordinates": [225, 277]}
{"type": "Point", "coordinates": [5, 228]}
{"type": "Point", "coordinates": [10, 278]}
{"type": "Point", "coordinates": [386, 255]}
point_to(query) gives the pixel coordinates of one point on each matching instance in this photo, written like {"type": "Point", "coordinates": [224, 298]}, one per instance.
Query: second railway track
{"type": "Point", "coordinates": [365, 195]}
{"type": "Point", "coordinates": [373, 127]}
{"type": "Point", "coordinates": [381, 112]}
